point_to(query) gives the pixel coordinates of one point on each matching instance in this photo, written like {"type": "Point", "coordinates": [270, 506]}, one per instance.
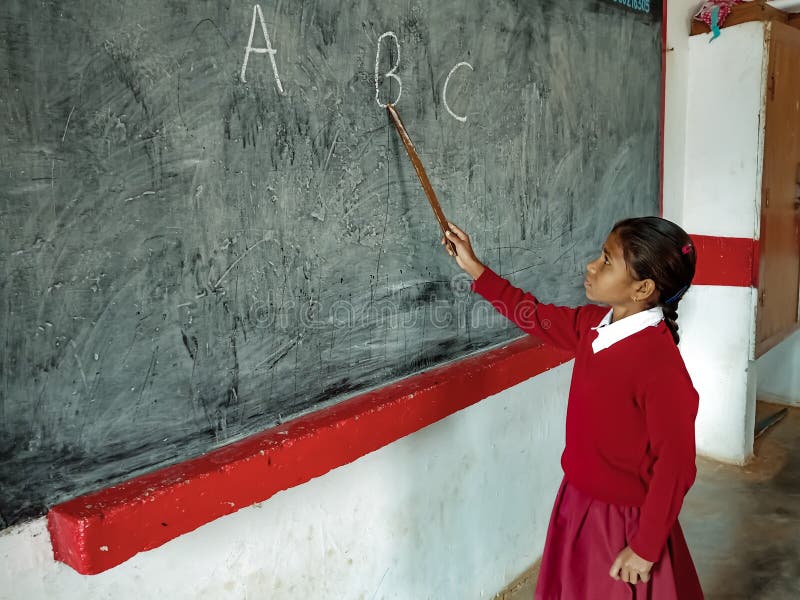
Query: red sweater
{"type": "Point", "coordinates": [630, 413]}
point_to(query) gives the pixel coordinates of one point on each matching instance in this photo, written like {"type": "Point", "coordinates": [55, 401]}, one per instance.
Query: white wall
{"type": "Point", "coordinates": [714, 158]}
{"type": "Point", "coordinates": [679, 14]}
{"type": "Point", "coordinates": [720, 160]}
{"type": "Point", "coordinates": [779, 372]}
{"type": "Point", "coordinates": [787, 5]}
{"type": "Point", "coordinates": [724, 143]}
{"type": "Point", "coordinates": [715, 325]}
{"type": "Point", "coordinates": [455, 511]}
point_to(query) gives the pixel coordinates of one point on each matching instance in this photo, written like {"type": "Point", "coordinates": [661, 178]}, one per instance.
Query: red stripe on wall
{"type": "Point", "coordinates": [97, 531]}
{"type": "Point", "coordinates": [726, 261]}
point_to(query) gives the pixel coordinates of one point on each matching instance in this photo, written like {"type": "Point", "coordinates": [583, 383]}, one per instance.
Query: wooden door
{"type": "Point", "coordinates": [779, 246]}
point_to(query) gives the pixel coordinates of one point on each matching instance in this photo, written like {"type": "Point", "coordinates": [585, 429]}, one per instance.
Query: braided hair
{"type": "Point", "coordinates": [657, 249]}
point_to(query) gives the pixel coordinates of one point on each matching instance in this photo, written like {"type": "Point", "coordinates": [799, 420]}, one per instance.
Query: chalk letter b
{"type": "Point", "coordinates": [391, 72]}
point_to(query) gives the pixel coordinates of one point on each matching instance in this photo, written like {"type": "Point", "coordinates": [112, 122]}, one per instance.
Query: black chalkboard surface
{"type": "Point", "coordinates": [205, 232]}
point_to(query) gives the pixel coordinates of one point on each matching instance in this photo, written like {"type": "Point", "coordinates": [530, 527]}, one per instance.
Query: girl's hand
{"type": "Point", "coordinates": [630, 567]}
{"type": "Point", "coordinates": [465, 257]}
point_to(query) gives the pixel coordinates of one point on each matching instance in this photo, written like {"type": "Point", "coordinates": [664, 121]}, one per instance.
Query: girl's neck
{"type": "Point", "coordinates": [620, 311]}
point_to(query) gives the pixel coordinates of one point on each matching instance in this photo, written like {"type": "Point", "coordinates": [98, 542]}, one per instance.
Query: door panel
{"type": "Point", "coordinates": [779, 246]}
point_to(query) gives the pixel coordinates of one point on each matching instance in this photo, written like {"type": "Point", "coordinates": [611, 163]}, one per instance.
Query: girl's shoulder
{"type": "Point", "coordinates": [663, 359]}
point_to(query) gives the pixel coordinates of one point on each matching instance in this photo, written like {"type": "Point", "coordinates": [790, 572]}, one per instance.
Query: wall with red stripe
{"type": "Point", "coordinates": [443, 481]}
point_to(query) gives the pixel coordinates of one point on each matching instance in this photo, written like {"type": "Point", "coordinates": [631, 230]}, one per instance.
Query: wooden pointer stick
{"type": "Point", "coordinates": [423, 177]}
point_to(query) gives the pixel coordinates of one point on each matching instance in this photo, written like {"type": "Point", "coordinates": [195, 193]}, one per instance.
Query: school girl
{"type": "Point", "coordinates": [629, 457]}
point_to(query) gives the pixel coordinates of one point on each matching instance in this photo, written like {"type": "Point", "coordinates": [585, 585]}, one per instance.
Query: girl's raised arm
{"type": "Point", "coordinates": [556, 325]}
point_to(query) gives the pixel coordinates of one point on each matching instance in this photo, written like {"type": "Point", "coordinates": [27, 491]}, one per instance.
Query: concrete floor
{"type": "Point", "coordinates": [742, 524]}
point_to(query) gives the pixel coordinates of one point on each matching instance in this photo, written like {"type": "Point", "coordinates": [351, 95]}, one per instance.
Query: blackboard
{"type": "Point", "coordinates": [194, 249]}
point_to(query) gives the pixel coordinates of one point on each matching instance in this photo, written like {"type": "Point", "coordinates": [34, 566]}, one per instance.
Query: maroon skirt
{"type": "Point", "coordinates": [585, 537]}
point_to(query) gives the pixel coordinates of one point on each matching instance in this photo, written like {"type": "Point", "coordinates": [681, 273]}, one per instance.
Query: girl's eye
{"type": "Point", "coordinates": [605, 261]}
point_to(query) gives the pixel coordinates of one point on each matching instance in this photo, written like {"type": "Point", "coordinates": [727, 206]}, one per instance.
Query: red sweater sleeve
{"type": "Point", "coordinates": [556, 325]}
{"type": "Point", "coordinates": [670, 404]}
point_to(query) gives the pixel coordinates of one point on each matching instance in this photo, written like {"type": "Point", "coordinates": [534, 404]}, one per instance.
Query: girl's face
{"type": "Point", "coordinates": [609, 282]}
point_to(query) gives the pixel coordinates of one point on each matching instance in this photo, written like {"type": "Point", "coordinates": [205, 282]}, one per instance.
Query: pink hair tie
{"type": "Point", "coordinates": [686, 249]}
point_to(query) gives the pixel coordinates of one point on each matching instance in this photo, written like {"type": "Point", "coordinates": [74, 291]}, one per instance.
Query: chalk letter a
{"type": "Point", "coordinates": [268, 50]}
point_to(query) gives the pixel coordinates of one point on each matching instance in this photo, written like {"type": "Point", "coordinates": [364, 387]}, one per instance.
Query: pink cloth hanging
{"type": "Point", "coordinates": [725, 8]}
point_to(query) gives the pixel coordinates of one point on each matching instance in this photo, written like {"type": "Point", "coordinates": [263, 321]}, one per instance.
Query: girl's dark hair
{"type": "Point", "coordinates": [657, 249]}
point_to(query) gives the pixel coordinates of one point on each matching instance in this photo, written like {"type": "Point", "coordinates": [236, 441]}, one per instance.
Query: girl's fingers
{"type": "Point", "coordinates": [460, 234]}
{"type": "Point", "coordinates": [455, 239]}
{"type": "Point", "coordinates": [615, 568]}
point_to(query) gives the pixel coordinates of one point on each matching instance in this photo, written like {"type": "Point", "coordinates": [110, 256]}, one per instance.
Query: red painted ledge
{"type": "Point", "coordinates": [97, 531]}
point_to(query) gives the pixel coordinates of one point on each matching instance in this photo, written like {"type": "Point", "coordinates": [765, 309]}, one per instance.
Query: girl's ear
{"type": "Point", "coordinates": [647, 289]}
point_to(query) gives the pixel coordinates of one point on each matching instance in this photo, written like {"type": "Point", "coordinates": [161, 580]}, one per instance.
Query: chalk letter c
{"type": "Point", "coordinates": [444, 90]}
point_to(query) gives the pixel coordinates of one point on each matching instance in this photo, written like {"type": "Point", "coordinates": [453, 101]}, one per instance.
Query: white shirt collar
{"type": "Point", "coordinates": [609, 333]}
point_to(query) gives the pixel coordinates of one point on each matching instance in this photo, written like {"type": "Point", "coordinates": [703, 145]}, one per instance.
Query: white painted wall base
{"type": "Point", "coordinates": [715, 324]}
{"type": "Point", "coordinates": [455, 511]}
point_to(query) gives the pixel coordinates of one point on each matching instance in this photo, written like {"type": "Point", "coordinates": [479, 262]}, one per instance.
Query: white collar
{"type": "Point", "coordinates": [609, 333]}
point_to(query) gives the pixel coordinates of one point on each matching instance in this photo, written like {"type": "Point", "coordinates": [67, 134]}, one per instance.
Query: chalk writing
{"type": "Point", "coordinates": [268, 50]}
{"type": "Point", "coordinates": [391, 72]}
{"type": "Point", "coordinates": [444, 90]}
